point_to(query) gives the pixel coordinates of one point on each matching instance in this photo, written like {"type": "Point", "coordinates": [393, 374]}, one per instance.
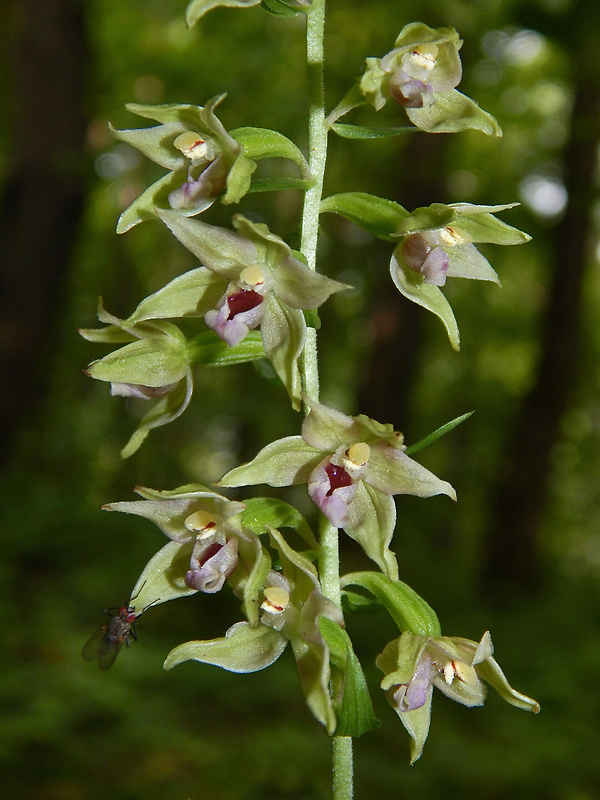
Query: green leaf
{"type": "Point", "coordinates": [278, 185]}
{"type": "Point", "coordinates": [452, 112]}
{"type": "Point", "coordinates": [432, 437]}
{"type": "Point", "coordinates": [362, 132]}
{"type": "Point", "coordinates": [355, 715]}
{"type": "Point", "coordinates": [261, 143]}
{"type": "Point", "coordinates": [409, 611]}
{"type": "Point", "coordinates": [210, 350]}
{"type": "Point", "coordinates": [198, 8]}
{"type": "Point", "coordinates": [376, 215]}
{"type": "Point", "coordinates": [243, 649]}
{"type": "Point", "coordinates": [356, 603]}
{"type": "Point", "coordinates": [282, 9]}
{"type": "Point", "coordinates": [413, 286]}
{"type": "Point", "coordinates": [264, 512]}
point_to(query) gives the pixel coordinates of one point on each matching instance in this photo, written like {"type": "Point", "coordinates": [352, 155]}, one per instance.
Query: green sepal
{"type": "Point", "coordinates": [210, 350]}
{"type": "Point", "coordinates": [452, 112]}
{"type": "Point", "coordinates": [156, 142]}
{"type": "Point", "coordinates": [156, 196]}
{"type": "Point", "coordinates": [163, 577]}
{"type": "Point", "coordinates": [362, 132]}
{"type": "Point", "coordinates": [283, 333]}
{"type": "Point", "coordinates": [263, 513]}
{"type": "Point", "coordinates": [355, 714]}
{"type": "Point", "coordinates": [372, 522]}
{"type": "Point", "coordinates": [482, 227]}
{"type": "Point", "coordinates": [156, 362]}
{"type": "Point", "coordinates": [189, 295]}
{"type": "Point", "coordinates": [261, 143]}
{"type": "Point", "coordinates": [432, 437]}
{"type": "Point", "coordinates": [408, 610]}
{"type": "Point", "coordinates": [165, 410]}
{"type": "Point", "coordinates": [414, 287]}
{"type": "Point", "coordinates": [427, 218]}
{"type": "Point", "coordinates": [284, 462]}
{"type": "Point", "coordinates": [243, 649]}
{"type": "Point", "coordinates": [198, 8]}
{"type": "Point", "coordinates": [376, 215]}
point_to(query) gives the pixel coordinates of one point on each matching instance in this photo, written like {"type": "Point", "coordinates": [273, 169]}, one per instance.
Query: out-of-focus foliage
{"type": "Point", "coordinates": [71, 732]}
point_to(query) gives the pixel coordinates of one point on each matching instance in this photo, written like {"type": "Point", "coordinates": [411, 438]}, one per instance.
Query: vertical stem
{"type": "Point", "coordinates": [329, 567]}
{"type": "Point", "coordinates": [317, 156]}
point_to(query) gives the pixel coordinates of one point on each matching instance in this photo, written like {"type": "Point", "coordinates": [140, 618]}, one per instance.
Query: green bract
{"type": "Point", "coordinates": [421, 74]}
{"type": "Point", "coordinates": [250, 278]}
{"type": "Point", "coordinates": [353, 466]}
{"type": "Point", "coordinates": [413, 664]}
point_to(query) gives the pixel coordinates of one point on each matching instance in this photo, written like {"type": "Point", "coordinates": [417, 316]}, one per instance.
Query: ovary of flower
{"type": "Point", "coordinates": [423, 56]}
{"type": "Point", "coordinates": [201, 522]}
{"type": "Point", "coordinates": [451, 237]}
{"type": "Point", "coordinates": [355, 458]}
{"type": "Point", "coordinates": [276, 600]}
{"type": "Point", "coordinates": [193, 146]}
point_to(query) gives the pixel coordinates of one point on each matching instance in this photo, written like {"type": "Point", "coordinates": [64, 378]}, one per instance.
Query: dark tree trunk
{"type": "Point", "coordinates": [512, 555]}
{"type": "Point", "coordinates": [42, 196]}
{"type": "Point", "coordinates": [397, 323]}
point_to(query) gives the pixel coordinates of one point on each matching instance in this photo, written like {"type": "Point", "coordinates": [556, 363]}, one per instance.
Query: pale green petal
{"type": "Point", "coordinates": [189, 295]}
{"type": "Point", "coordinates": [155, 143]}
{"type": "Point", "coordinates": [327, 429]}
{"type": "Point", "coordinates": [163, 578]}
{"type": "Point", "coordinates": [242, 649]}
{"type": "Point", "coordinates": [490, 671]}
{"type": "Point", "coordinates": [372, 522]}
{"type": "Point", "coordinates": [282, 463]}
{"type": "Point", "coordinates": [412, 285]}
{"type": "Point", "coordinates": [390, 471]}
{"type": "Point", "coordinates": [452, 112]}
{"type": "Point", "coordinates": [221, 250]}
{"type": "Point", "coordinates": [283, 332]}
{"type": "Point", "coordinates": [465, 261]}
{"type": "Point", "coordinates": [198, 8]}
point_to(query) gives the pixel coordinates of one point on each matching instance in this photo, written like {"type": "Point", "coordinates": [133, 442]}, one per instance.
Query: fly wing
{"type": "Point", "coordinates": [102, 647]}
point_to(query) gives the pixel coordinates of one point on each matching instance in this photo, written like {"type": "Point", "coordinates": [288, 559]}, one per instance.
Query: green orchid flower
{"type": "Point", "coordinates": [421, 74]}
{"type": "Point", "coordinates": [352, 466]}
{"type": "Point", "coordinates": [203, 160]}
{"type": "Point", "coordinates": [414, 663]}
{"type": "Point", "coordinates": [248, 279]}
{"type": "Point", "coordinates": [438, 242]}
{"type": "Point", "coordinates": [154, 364]}
{"type": "Point", "coordinates": [292, 606]}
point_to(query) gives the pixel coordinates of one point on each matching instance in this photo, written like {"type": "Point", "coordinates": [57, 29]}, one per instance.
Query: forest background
{"type": "Point", "coordinates": [520, 552]}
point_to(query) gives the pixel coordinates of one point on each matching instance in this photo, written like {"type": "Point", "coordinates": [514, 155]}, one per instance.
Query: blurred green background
{"type": "Point", "coordinates": [520, 552]}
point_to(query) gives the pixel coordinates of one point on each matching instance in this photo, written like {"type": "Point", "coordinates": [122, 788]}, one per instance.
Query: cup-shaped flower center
{"type": "Point", "coordinates": [452, 236]}
{"type": "Point", "coordinates": [276, 599]}
{"type": "Point", "coordinates": [421, 57]}
{"type": "Point", "coordinates": [201, 522]}
{"type": "Point", "coordinates": [194, 147]}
